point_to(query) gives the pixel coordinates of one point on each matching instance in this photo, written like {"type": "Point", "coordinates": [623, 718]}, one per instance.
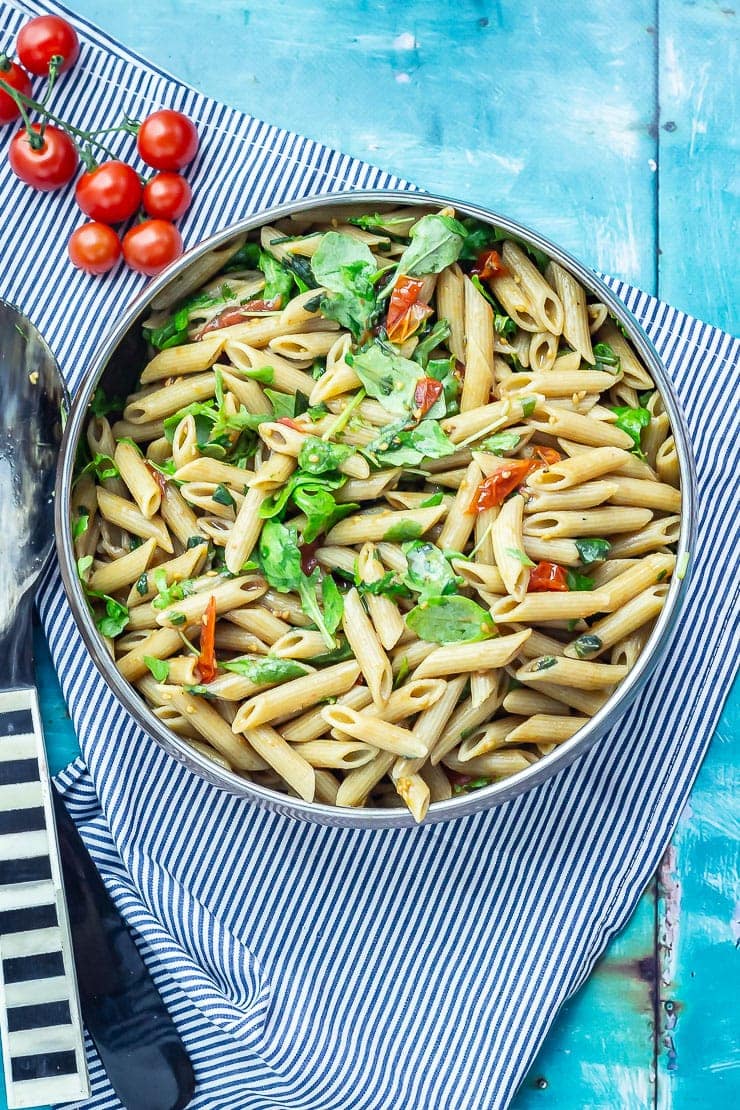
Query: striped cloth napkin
{"type": "Point", "coordinates": [314, 968]}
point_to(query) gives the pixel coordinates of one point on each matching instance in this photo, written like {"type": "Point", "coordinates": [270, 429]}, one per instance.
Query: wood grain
{"type": "Point", "coordinates": [550, 113]}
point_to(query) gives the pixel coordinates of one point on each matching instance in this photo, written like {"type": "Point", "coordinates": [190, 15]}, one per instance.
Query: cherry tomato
{"type": "Point", "coordinates": [489, 265]}
{"type": "Point", "coordinates": [12, 75]}
{"type": "Point", "coordinates": [42, 38]}
{"type": "Point", "coordinates": [405, 310]}
{"type": "Point", "coordinates": [50, 166]}
{"type": "Point", "coordinates": [167, 196]}
{"type": "Point", "coordinates": [494, 489]}
{"type": "Point", "coordinates": [151, 245]}
{"type": "Point", "coordinates": [207, 659]}
{"type": "Point", "coordinates": [547, 577]}
{"type": "Point", "coordinates": [110, 193]}
{"type": "Point", "coordinates": [428, 390]}
{"type": "Point", "coordinates": [94, 248]}
{"type": "Point", "coordinates": [167, 140]}
{"type": "Point", "coordinates": [547, 455]}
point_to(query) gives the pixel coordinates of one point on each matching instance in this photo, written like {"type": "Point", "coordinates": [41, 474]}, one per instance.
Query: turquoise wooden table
{"type": "Point", "coordinates": [612, 134]}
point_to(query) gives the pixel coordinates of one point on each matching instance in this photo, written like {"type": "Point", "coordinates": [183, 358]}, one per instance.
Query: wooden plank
{"type": "Point", "coordinates": [698, 182]}
{"type": "Point", "coordinates": [520, 108]}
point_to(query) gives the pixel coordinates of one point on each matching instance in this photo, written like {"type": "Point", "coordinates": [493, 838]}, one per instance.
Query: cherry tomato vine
{"type": "Point", "coordinates": [46, 152]}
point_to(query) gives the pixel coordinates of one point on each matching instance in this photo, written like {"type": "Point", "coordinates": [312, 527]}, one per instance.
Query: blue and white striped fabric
{"type": "Point", "coordinates": [313, 968]}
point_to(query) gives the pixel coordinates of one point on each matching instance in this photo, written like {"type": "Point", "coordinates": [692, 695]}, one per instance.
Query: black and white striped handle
{"type": "Point", "coordinates": [43, 1051]}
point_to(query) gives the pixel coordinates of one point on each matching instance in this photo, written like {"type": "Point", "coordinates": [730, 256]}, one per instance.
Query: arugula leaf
{"type": "Point", "coordinates": [378, 222]}
{"type": "Point", "coordinates": [529, 404]}
{"type": "Point", "coordinates": [264, 669]}
{"type": "Point", "coordinates": [167, 595]}
{"type": "Point", "coordinates": [300, 268]}
{"type": "Point", "coordinates": [478, 237]}
{"type": "Point", "coordinates": [578, 581]}
{"type": "Point", "coordinates": [407, 447]}
{"type": "Point", "coordinates": [605, 358]}
{"type": "Point", "coordinates": [517, 553]}
{"type": "Point", "coordinates": [450, 620]}
{"type": "Point", "coordinates": [403, 673]}
{"type": "Point", "coordinates": [503, 324]}
{"type": "Point", "coordinates": [332, 603]}
{"type": "Point", "coordinates": [345, 267]}
{"type": "Point", "coordinates": [433, 501]}
{"type": "Point", "coordinates": [321, 510]}
{"type": "Point", "coordinates": [100, 405]}
{"type": "Point", "coordinates": [592, 550]}
{"type": "Point", "coordinates": [307, 588]}
{"type": "Point", "coordinates": [317, 455]}
{"type": "Point", "coordinates": [102, 466]}
{"type": "Point", "coordinates": [174, 331]}
{"type": "Point", "coordinates": [142, 584]}
{"type": "Point", "coordinates": [283, 404]}
{"type": "Point", "coordinates": [404, 530]}
{"type": "Point", "coordinates": [115, 620]}
{"type": "Point", "coordinates": [337, 655]}
{"type": "Point", "coordinates": [387, 377]}
{"type": "Point", "coordinates": [278, 279]}
{"type": "Point", "coordinates": [443, 370]}
{"type": "Point", "coordinates": [632, 421]}
{"type": "Point", "coordinates": [439, 333]}
{"type": "Point", "coordinates": [429, 573]}
{"type": "Point", "coordinates": [545, 663]}
{"type": "Point", "coordinates": [246, 258]}
{"type": "Point", "coordinates": [160, 668]}
{"type": "Point", "coordinates": [81, 524]}
{"type": "Point", "coordinates": [83, 565]}
{"type": "Point", "coordinates": [335, 253]}
{"type": "Point", "coordinates": [264, 374]}
{"type": "Point", "coordinates": [587, 644]}
{"type": "Point", "coordinates": [500, 442]}
{"type": "Point", "coordinates": [436, 242]}
{"type": "Point", "coordinates": [539, 257]}
{"type": "Point", "coordinates": [222, 496]}
{"type": "Point", "coordinates": [279, 556]}
{"type": "Point", "coordinates": [387, 586]}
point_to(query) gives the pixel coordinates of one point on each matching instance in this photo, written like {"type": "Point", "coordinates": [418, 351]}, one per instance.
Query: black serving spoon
{"type": "Point", "coordinates": [43, 1054]}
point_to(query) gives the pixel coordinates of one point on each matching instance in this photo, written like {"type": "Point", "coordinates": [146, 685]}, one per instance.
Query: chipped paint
{"type": "Point", "coordinates": [405, 41]}
{"type": "Point", "coordinates": [669, 895]}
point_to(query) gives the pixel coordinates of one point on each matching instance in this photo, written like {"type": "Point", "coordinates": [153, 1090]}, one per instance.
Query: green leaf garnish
{"type": "Point", "coordinates": [450, 620]}
{"type": "Point", "coordinates": [592, 550]}
{"type": "Point", "coordinates": [160, 668]}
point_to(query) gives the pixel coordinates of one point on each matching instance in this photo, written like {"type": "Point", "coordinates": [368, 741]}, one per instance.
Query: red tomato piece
{"type": "Point", "coordinates": [207, 658]}
{"type": "Point", "coordinates": [428, 390]}
{"type": "Point", "coordinates": [489, 265]}
{"type": "Point", "coordinates": [44, 38]}
{"type": "Point", "coordinates": [167, 196]}
{"type": "Point", "coordinates": [111, 193]}
{"type": "Point", "coordinates": [12, 74]}
{"type": "Point", "coordinates": [151, 245]}
{"type": "Point", "coordinates": [47, 166]}
{"type": "Point", "coordinates": [547, 455]}
{"type": "Point", "coordinates": [547, 576]}
{"type": "Point", "coordinates": [167, 140]}
{"type": "Point", "coordinates": [405, 311]}
{"type": "Point", "coordinates": [494, 489]}
{"type": "Point", "coordinates": [94, 248]}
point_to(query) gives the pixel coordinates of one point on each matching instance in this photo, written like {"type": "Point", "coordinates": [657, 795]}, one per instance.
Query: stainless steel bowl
{"type": "Point", "coordinates": [119, 360]}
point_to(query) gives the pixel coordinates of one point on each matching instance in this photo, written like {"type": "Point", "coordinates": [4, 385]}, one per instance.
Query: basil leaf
{"type": "Point", "coordinates": [404, 530]}
{"type": "Point", "coordinates": [317, 456]}
{"type": "Point", "coordinates": [264, 669]}
{"type": "Point", "coordinates": [450, 620]}
{"type": "Point", "coordinates": [160, 668]}
{"type": "Point", "coordinates": [500, 442]}
{"type": "Point", "coordinates": [632, 421]}
{"type": "Point", "coordinates": [592, 550]}
{"type": "Point", "coordinates": [429, 573]}
{"type": "Point", "coordinates": [436, 242]}
{"type": "Point", "coordinates": [387, 377]}
{"type": "Point", "coordinates": [578, 581]}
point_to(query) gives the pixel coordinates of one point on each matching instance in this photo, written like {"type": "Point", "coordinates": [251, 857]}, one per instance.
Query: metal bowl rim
{"type": "Point", "coordinates": [318, 812]}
